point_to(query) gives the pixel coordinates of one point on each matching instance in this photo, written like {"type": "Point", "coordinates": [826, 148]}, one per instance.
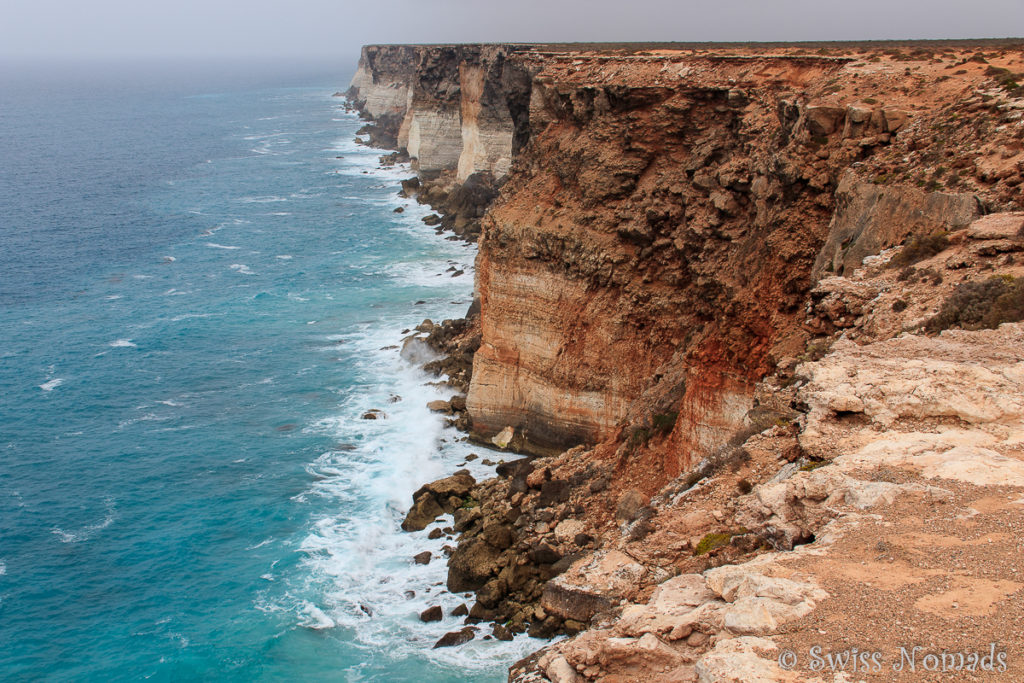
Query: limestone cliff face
{"type": "Point", "coordinates": [453, 108]}
{"type": "Point", "coordinates": [648, 252]}
{"type": "Point", "coordinates": [665, 216]}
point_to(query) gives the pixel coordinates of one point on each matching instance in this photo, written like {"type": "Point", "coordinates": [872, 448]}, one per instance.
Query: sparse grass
{"type": "Point", "coordinates": [981, 304]}
{"type": "Point", "coordinates": [712, 541]}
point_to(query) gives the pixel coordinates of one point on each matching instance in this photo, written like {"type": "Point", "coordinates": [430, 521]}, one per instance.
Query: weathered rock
{"type": "Point", "coordinates": [432, 614]}
{"type": "Point", "coordinates": [442, 491]}
{"type": "Point", "coordinates": [824, 119]}
{"type": "Point", "coordinates": [424, 511]}
{"type": "Point", "coordinates": [738, 661]}
{"type": "Point", "coordinates": [629, 506]}
{"type": "Point", "coordinates": [459, 637]}
{"type": "Point", "coordinates": [439, 406]}
{"type": "Point", "coordinates": [498, 535]}
{"type": "Point", "coordinates": [422, 558]}
{"type": "Point", "coordinates": [871, 217]}
{"type": "Point", "coordinates": [592, 586]}
{"type": "Point", "coordinates": [471, 565]}
{"type": "Point", "coordinates": [501, 632]}
{"type": "Point", "coordinates": [560, 671]}
{"type": "Point", "coordinates": [503, 438]}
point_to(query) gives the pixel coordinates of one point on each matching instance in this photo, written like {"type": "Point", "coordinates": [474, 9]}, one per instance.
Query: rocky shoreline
{"type": "Point", "coordinates": [693, 267]}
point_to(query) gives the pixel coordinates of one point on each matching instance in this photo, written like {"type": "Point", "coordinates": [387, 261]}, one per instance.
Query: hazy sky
{"type": "Point", "coordinates": [335, 28]}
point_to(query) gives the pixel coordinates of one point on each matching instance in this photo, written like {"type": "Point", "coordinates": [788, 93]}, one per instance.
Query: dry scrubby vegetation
{"type": "Point", "coordinates": [920, 247]}
{"type": "Point", "coordinates": [981, 304]}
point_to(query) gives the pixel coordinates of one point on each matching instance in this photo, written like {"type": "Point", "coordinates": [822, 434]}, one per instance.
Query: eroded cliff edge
{"type": "Point", "coordinates": [676, 232]}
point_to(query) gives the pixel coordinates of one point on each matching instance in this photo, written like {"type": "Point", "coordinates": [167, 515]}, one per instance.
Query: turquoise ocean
{"type": "Point", "coordinates": [203, 286]}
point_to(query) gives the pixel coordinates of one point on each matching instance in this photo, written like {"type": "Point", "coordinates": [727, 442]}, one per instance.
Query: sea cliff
{"type": "Point", "coordinates": [684, 253]}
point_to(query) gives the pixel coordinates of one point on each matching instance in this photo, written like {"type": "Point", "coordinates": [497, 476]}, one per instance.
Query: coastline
{"type": "Point", "coordinates": [679, 238]}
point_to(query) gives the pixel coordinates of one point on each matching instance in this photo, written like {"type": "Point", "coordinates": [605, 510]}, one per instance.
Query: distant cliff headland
{"type": "Point", "coordinates": [754, 309]}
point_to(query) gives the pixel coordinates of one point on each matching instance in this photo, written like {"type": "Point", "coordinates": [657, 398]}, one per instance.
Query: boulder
{"type": "Point", "coordinates": [456, 637]}
{"type": "Point", "coordinates": [471, 565]}
{"type": "Point", "coordinates": [422, 558]}
{"type": "Point", "coordinates": [498, 535]}
{"type": "Point", "coordinates": [439, 406]}
{"type": "Point", "coordinates": [503, 438]}
{"type": "Point", "coordinates": [431, 614]}
{"type": "Point", "coordinates": [458, 485]}
{"type": "Point", "coordinates": [424, 511]}
{"type": "Point", "coordinates": [823, 120]}
{"type": "Point", "coordinates": [629, 506]}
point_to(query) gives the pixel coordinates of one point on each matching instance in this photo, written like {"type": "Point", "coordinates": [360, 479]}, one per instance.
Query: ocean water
{"type": "Point", "coordinates": [202, 289]}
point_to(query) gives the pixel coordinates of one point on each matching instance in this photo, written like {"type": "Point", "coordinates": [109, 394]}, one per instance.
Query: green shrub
{"type": "Point", "coordinates": [663, 423]}
{"type": "Point", "coordinates": [920, 247]}
{"type": "Point", "coordinates": [981, 304]}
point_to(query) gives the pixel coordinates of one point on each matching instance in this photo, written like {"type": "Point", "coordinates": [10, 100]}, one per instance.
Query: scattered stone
{"type": "Point", "coordinates": [422, 558]}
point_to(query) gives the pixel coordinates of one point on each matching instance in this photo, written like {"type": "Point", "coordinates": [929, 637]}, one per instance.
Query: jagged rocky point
{"type": "Point", "coordinates": [753, 314]}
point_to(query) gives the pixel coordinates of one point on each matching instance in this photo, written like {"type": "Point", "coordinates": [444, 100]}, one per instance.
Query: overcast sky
{"type": "Point", "coordinates": [318, 29]}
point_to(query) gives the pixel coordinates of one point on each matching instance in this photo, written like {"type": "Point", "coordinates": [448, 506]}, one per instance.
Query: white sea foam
{"type": "Point", "coordinates": [390, 458]}
{"type": "Point", "coordinates": [241, 268]}
{"type": "Point", "coordinates": [188, 316]}
{"type": "Point", "coordinates": [315, 618]}
{"type": "Point", "coordinates": [52, 384]}
{"type": "Point", "coordinates": [265, 199]}
{"type": "Point", "coordinates": [284, 257]}
{"type": "Point", "coordinates": [88, 531]}
{"type": "Point", "coordinates": [123, 343]}
{"type": "Point", "coordinates": [214, 245]}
